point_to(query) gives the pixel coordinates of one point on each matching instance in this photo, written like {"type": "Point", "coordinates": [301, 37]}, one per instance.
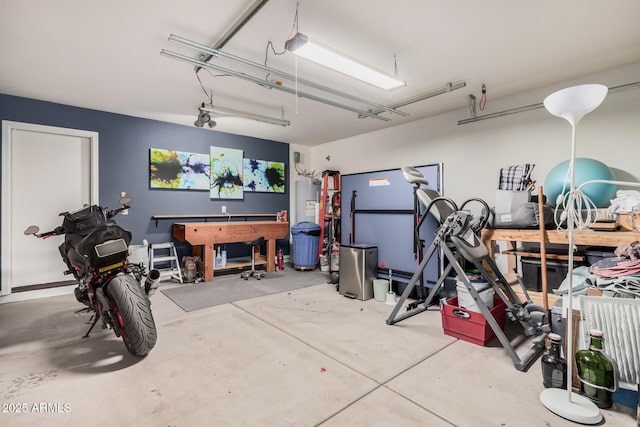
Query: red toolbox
{"type": "Point", "coordinates": [468, 325]}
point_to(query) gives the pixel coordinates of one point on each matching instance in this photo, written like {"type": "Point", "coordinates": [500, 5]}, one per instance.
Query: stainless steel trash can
{"type": "Point", "coordinates": [358, 269]}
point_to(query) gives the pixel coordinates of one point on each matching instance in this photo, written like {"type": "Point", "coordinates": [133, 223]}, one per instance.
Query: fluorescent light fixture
{"type": "Point", "coordinates": [305, 48]}
{"type": "Point", "coordinates": [230, 112]}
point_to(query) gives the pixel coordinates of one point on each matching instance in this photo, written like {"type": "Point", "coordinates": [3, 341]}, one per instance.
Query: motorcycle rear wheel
{"type": "Point", "coordinates": [132, 310]}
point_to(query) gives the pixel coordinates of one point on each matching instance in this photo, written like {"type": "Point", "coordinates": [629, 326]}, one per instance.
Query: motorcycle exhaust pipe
{"type": "Point", "coordinates": [151, 283]}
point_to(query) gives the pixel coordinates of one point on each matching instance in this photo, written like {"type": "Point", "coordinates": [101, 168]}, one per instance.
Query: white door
{"type": "Point", "coordinates": [46, 170]}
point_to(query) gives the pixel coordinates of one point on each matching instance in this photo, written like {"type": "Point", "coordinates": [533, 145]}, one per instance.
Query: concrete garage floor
{"type": "Point", "coordinates": [301, 358]}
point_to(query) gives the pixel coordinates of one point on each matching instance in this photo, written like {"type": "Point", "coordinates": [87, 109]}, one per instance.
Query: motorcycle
{"type": "Point", "coordinates": [95, 250]}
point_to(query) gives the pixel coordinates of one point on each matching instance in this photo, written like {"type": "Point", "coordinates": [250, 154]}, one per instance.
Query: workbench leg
{"type": "Point", "coordinates": [271, 255]}
{"type": "Point", "coordinates": [207, 259]}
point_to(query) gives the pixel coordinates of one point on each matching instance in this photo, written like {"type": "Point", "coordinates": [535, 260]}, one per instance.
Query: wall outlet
{"type": "Point", "coordinates": [296, 157]}
{"type": "Point", "coordinates": [224, 209]}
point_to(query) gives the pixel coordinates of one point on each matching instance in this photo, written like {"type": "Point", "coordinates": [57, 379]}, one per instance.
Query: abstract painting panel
{"type": "Point", "coordinates": [178, 170]}
{"type": "Point", "coordinates": [264, 176]}
{"type": "Point", "coordinates": [226, 173]}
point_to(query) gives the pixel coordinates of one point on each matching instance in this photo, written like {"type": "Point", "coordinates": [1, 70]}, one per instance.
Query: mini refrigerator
{"type": "Point", "coordinates": [358, 269]}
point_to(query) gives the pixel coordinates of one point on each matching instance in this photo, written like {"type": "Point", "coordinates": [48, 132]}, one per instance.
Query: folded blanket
{"type": "Point", "coordinates": [625, 200]}
{"type": "Point", "coordinates": [615, 267]}
{"type": "Point", "coordinates": [515, 177]}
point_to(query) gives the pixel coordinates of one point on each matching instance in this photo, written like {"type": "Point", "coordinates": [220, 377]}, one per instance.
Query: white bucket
{"type": "Point", "coordinates": [380, 288]}
{"type": "Point", "coordinates": [465, 300]}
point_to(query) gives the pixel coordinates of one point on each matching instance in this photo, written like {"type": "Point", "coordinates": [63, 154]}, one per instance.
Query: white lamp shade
{"type": "Point", "coordinates": [574, 102]}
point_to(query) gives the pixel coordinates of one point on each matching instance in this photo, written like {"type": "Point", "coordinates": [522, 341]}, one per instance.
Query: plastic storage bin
{"type": "Point", "coordinates": [532, 273]}
{"type": "Point", "coordinates": [597, 253]}
{"type": "Point", "coordinates": [468, 325]}
{"type": "Point", "coordinates": [306, 238]}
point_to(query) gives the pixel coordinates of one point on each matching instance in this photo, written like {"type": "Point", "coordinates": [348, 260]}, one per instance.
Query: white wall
{"type": "Point", "coordinates": [474, 153]}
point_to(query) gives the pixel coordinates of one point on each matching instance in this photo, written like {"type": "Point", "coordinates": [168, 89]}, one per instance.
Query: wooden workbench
{"type": "Point", "coordinates": [204, 235]}
{"type": "Point", "coordinates": [581, 238]}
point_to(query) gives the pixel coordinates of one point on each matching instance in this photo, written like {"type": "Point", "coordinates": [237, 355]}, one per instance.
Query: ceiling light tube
{"type": "Point", "coordinates": [301, 45]}
{"type": "Point", "coordinates": [230, 112]}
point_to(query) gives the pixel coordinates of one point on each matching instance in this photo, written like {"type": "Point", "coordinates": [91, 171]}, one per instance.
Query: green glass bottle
{"type": "Point", "coordinates": [597, 372]}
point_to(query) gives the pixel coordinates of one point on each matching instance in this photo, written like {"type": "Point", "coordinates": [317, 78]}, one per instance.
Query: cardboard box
{"type": "Point", "coordinates": [625, 221]}
{"type": "Point", "coordinates": [468, 325]}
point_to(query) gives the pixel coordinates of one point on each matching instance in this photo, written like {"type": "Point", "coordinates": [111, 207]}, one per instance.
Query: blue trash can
{"type": "Point", "coordinates": [306, 238]}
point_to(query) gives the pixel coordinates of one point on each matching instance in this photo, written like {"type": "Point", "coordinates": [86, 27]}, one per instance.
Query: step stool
{"type": "Point", "coordinates": [164, 258]}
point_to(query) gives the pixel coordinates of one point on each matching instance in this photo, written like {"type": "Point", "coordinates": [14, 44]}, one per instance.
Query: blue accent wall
{"type": "Point", "coordinates": [124, 144]}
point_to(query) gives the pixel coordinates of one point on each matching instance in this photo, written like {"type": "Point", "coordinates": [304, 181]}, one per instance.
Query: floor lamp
{"type": "Point", "coordinates": [572, 104]}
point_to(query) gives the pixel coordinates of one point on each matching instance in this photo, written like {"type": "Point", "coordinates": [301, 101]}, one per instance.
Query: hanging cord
{"type": "Point", "coordinates": [270, 46]}
{"type": "Point", "coordinates": [209, 95]}
{"type": "Point", "coordinates": [266, 56]}
{"type": "Point", "coordinates": [483, 97]}
{"type": "Point", "coordinates": [395, 65]}
{"type": "Point", "coordinates": [576, 204]}
{"type": "Point", "coordinates": [296, 21]}
{"type": "Point", "coordinates": [294, 30]}
{"type": "Point", "coordinates": [296, 82]}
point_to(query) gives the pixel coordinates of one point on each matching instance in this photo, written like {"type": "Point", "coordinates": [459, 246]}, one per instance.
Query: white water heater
{"type": "Point", "coordinates": [307, 200]}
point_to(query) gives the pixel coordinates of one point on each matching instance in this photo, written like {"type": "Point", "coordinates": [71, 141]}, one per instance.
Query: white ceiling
{"type": "Point", "coordinates": [106, 55]}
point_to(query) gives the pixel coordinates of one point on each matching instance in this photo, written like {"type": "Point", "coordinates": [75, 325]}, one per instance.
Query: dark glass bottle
{"type": "Point", "coordinates": [596, 371]}
{"type": "Point", "coordinates": [554, 367]}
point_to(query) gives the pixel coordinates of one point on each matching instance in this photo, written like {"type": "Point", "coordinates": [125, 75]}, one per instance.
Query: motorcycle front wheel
{"type": "Point", "coordinates": [132, 311]}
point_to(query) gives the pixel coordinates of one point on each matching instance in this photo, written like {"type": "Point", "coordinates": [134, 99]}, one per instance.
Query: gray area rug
{"type": "Point", "coordinates": [231, 288]}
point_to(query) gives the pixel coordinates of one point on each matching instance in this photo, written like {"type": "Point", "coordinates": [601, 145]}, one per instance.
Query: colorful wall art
{"type": "Point", "coordinates": [226, 173]}
{"type": "Point", "coordinates": [178, 170]}
{"type": "Point", "coordinates": [263, 176]}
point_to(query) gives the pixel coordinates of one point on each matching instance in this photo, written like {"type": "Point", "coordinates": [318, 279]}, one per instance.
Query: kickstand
{"type": "Point", "coordinates": [82, 310]}
{"type": "Point", "coordinates": [95, 320]}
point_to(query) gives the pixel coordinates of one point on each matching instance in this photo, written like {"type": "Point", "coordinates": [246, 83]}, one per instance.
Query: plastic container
{"type": "Point", "coordinates": [220, 260]}
{"type": "Point", "coordinates": [380, 288]}
{"type": "Point", "coordinates": [597, 253]}
{"type": "Point", "coordinates": [532, 273]}
{"type": "Point", "coordinates": [465, 300]}
{"type": "Point", "coordinates": [468, 325]}
{"type": "Point", "coordinates": [306, 238]}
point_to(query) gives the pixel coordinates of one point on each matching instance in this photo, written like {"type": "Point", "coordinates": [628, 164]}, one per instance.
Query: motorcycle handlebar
{"type": "Point", "coordinates": [55, 232]}
{"type": "Point", "coordinates": [60, 230]}
{"type": "Point", "coordinates": [111, 214]}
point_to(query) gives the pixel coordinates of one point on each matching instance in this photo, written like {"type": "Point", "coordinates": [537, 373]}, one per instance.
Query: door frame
{"type": "Point", "coordinates": [8, 128]}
